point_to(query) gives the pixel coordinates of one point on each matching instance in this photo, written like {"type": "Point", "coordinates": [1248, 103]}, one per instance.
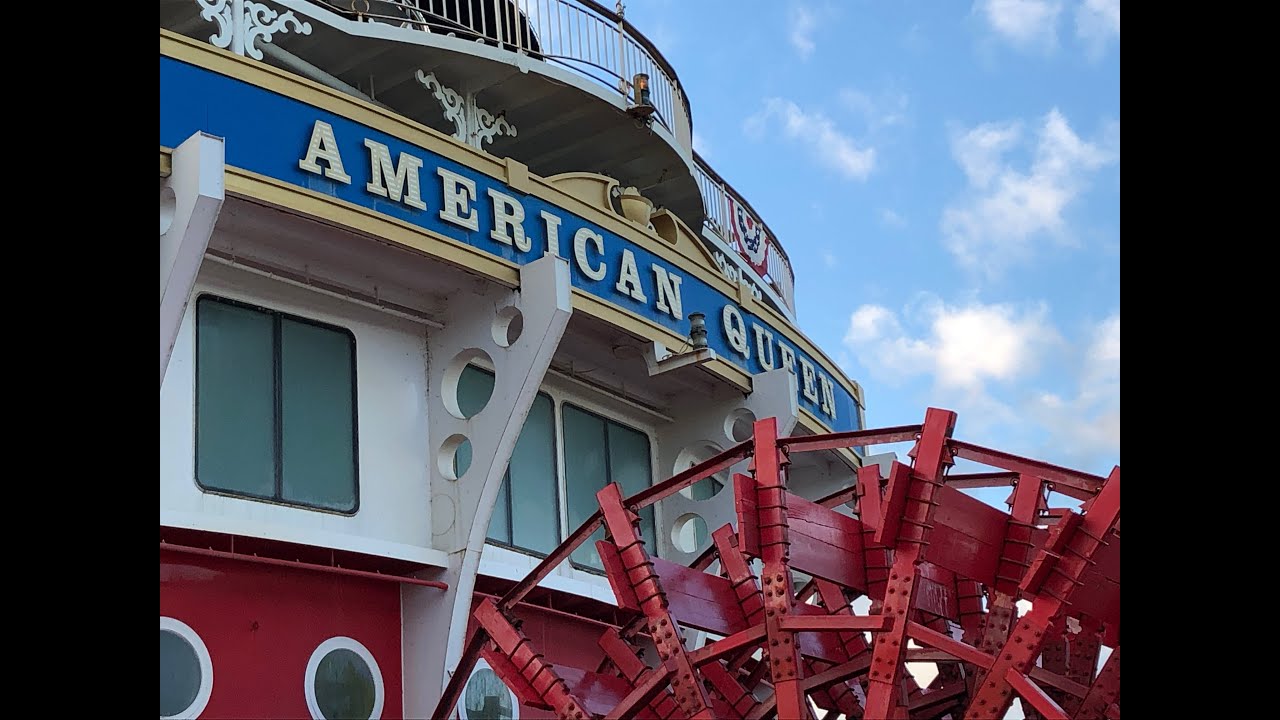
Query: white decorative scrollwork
{"type": "Point", "coordinates": [487, 126]}
{"type": "Point", "coordinates": [241, 23]}
{"type": "Point", "coordinates": [473, 124]}
{"type": "Point", "coordinates": [262, 22]}
{"type": "Point", "coordinates": [221, 12]}
{"type": "Point", "coordinates": [455, 109]}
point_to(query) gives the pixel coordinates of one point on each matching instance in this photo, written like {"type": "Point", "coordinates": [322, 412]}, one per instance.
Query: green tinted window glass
{"type": "Point", "coordinates": [629, 467]}
{"type": "Point", "coordinates": [531, 482]}
{"type": "Point", "coordinates": [585, 472]}
{"type": "Point", "coordinates": [486, 698]}
{"type": "Point", "coordinates": [179, 674]}
{"type": "Point", "coordinates": [235, 399]}
{"type": "Point", "coordinates": [474, 388]}
{"type": "Point", "coordinates": [598, 451]}
{"type": "Point", "coordinates": [500, 521]}
{"type": "Point", "coordinates": [317, 418]}
{"type": "Point", "coordinates": [344, 686]}
{"type": "Point", "coordinates": [275, 414]}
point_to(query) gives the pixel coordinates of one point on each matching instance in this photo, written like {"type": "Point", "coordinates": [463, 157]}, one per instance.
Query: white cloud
{"type": "Point", "coordinates": [1005, 209]}
{"type": "Point", "coordinates": [964, 348]}
{"type": "Point", "coordinates": [803, 23]}
{"type": "Point", "coordinates": [825, 141]}
{"type": "Point", "coordinates": [1097, 22]}
{"type": "Point", "coordinates": [1025, 23]}
{"type": "Point", "coordinates": [829, 259]}
{"type": "Point", "coordinates": [885, 110]}
{"type": "Point", "coordinates": [700, 145]}
{"type": "Point", "coordinates": [1089, 421]}
{"type": "Point", "coordinates": [989, 363]}
{"type": "Point", "coordinates": [889, 218]}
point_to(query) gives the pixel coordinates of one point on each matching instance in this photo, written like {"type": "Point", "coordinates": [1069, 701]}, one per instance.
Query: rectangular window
{"type": "Point", "coordinates": [275, 407]}
{"type": "Point", "coordinates": [526, 515]}
{"type": "Point", "coordinates": [598, 451]}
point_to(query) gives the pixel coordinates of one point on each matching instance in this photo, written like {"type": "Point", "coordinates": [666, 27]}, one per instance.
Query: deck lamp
{"type": "Point", "coordinates": [641, 85]}
{"type": "Point", "coordinates": [643, 108]}
{"type": "Point", "coordinates": [698, 330]}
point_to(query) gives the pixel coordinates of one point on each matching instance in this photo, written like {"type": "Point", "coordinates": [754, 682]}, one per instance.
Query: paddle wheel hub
{"type": "Point", "coordinates": [763, 623]}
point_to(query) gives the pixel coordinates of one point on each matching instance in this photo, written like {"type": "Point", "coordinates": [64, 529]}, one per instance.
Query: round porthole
{"type": "Point", "coordinates": [343, 681]}
{"type": "Point", "coordinates": [186, 671]}
{"type": "Point", "coordinates": [486, 698]}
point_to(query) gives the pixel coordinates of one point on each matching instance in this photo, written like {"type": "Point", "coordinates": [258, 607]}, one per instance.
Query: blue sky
{"type": "Point", "coordinates": [946, 180]}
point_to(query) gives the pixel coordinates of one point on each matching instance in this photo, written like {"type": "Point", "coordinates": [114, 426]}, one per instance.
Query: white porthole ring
{"type": "Point", "coordinates": [313, 665]}
{"type": "Point", "coordinates": [184, 631]}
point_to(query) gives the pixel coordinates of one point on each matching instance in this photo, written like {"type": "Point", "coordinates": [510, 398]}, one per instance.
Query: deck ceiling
{"type": "Point", "coordinates": [305, 250]}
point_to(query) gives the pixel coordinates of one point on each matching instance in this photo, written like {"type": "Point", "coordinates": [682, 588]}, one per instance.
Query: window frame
{"type": "Point", "coordinates": [277, 317]}
{"type": "Point", "coordinates": [598, 403]}
{"type": "Point", "coordinates": [506, 475]}
{"type": "Point", "coordinates": [581, 407]}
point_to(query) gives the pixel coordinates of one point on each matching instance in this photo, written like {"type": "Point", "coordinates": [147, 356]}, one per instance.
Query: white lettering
{"type": "Point", "coordinates": [580, 239]}
{"type": "Point", "coordinates": [323, 146]}
{"type": "Point", "coordinates": [389, 181]}
{"type": "Point", "coordinates": [735, 331]}
{"type": "Point", "coordinates": [668, 292]}
{"type": "Point", "coordinates": [458, 191]}
{"type": "Point", "coordinates": [629, 278]}
{"type": "Point", "coordinates": [807, 373]}
{"type": "Point", "coordinates": [764, 348]}
{"type": "Point", "coordinates": [552, 223]}
{"type": "Point", "coordinates": [508, 221]}
{"type": "Point", "coordinates": [788, 357]}
{"type": "Point", "coordinates": [828, 395]}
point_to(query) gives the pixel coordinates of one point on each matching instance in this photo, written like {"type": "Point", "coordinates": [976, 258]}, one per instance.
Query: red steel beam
{"type": "Point", "coordinates": [299, 565]}
{"type": "Point", "coordinates": [836, 623]}
{"type": "Point", "coordinates": [532, 668]}
{"type": "Point", "coordinates": [651, 685]}
{"type": "Point", "coordinates": [685, 478]}
{"type": "Point", "coordinates": [742, 640]}
{"type": "Point", "coordinates": [969, 481]}
{"type": "Point", "coordinates": [1103, 693]}
{"type": "Point", "coordinates": [458, 681]}
{"type": "Point", "coordinates": [638, 573]}
{"type": "Point", "coordinates": [623, 657]}
{"type": "Point", "coordinates": [771, 508]}
{"type": "Point", "coordinates": [1052, 578]}
{"type": "Point", "coordinates": [905, 514]}
{"type": "Point", "coordinates": [855, 438]}
{"type": "Point", "coordinates": [1058, 682]}
{"type": "Point", "coordinates": [1072, 483]}
{"type": "Point", "coordinates": [956, 649]}
{"type": "Point", "coordinates": [1037, 697]}
{"type": "Point", "coordinates": [550, 562]}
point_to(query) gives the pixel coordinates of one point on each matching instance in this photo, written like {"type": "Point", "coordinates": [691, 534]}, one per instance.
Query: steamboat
{"type": "Point", "coordinates": [483, 395]}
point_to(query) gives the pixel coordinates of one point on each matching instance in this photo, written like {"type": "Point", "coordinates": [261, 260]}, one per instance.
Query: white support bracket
{"type": "Point", "coordinates": [705, 427]}
{"type": "Point", "coordinates": [660, 360]}
{"type": "Point", "coordinates": [190, 200]}
{"type": "Point", "coordinates": [461, 508]}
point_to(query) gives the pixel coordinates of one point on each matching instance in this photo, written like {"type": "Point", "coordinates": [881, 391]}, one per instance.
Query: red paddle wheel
{"type": "Point", "coordinates": [942, 570]}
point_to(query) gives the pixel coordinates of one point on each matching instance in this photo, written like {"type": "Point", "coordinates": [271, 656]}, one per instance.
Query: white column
{"type": "Point", "coordinates": [435, 622]}
{"type": "Point", "coordinates": [190, 200]}
{"type": "Point", "coordinates": [702, 429]}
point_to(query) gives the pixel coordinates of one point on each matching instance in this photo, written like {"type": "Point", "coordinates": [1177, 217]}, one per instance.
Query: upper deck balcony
{"type": "Point", "coordinates": [550, 83]}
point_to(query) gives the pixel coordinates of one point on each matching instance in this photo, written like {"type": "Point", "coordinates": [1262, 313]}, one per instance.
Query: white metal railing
{"type": "Point", "coordinates": [719, 201]}
{"type": "Point", "coordinates": [580, 35]}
